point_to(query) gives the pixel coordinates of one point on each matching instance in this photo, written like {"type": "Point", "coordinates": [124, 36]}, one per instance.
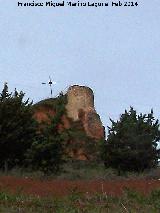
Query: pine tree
{"type": "Point", "coordinates": [5, 94]}
{"type": "Point", "coordinates": [17, 127]}
{"type": "Point", "coordinates": [132, 142]}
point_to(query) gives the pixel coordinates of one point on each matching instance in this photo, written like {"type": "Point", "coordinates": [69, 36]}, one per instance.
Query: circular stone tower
{"type": "Point", "coordinates": [79, 98]}
{"type": "Point", "coordinates": [80, 106]}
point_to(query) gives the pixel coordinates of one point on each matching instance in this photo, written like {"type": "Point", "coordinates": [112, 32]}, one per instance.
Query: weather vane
{"type": "Point", "coordinates": [50, 82]}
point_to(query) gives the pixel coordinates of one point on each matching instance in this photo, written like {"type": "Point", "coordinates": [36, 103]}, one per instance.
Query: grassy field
{"type": "Point", "coordinates": [80, 170]}
{"type": "Point", "coordinates": [77, 202]}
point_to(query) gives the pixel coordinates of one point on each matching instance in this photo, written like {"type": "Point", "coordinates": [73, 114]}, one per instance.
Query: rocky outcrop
{"type": "Point", "coordinates": [80, 119]}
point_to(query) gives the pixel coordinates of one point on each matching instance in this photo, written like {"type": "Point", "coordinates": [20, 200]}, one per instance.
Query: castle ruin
{"type": "Point", "coordinates": [80, 106]}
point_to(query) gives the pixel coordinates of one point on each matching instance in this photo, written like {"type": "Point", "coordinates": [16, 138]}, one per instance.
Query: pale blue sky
{"type": "Point", "coordinates": [115, 51]}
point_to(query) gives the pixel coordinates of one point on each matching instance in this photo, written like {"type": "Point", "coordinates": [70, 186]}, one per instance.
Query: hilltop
{"type": "Point", "coordinates": [77, 115]}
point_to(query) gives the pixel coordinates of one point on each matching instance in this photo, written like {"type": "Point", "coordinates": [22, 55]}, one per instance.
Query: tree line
{"type": "Point", "coordinates": [131, 144]}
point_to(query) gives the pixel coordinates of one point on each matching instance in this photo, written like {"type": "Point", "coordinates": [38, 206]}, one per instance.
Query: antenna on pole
{"type": "Point", "coordinates": [50, 82]}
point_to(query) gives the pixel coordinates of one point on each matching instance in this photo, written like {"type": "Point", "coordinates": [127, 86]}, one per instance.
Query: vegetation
{"type": "Point", "coordinates": [46, 154]}
{"type": "Point", "coordinates": [47, 151]}
{"type": "Point", "coordinates": [17, 128]}
{"type": "Point", "coordinates": [22, 142]}
{"type": "Point", "coordinates": [77, 202]}
{"type": "Point", "coordinates": [36, 149]}
{"type": "Point", "coordinates": [82, 170]}
{"type": "Point", "coordinates": [132, 142]}
{"type": "Point", "coordinates": [54, 103]}
{"type": "Point", "coordinates": [77, 141]}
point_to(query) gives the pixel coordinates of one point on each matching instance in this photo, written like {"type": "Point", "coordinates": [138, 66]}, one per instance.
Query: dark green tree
{"type": "Point", "coordinates": [132, 142]}
{"type": "Point", "coordinates": [17, 128]}
{"type": "Point", "coordinates": [5, 94]}
{"type": "Point", "coordinates": [46, 153]}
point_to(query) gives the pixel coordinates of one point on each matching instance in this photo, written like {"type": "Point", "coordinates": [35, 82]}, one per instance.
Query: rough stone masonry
{"type": "Point", "coordinates": [80, 106]}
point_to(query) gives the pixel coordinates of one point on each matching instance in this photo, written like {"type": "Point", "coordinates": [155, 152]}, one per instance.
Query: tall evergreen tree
{"type": "Point", "coordinates": [132, 142]}
{"type": "Point", "coordinates": [17, 127]}
{"type": "Point", "coordinates": [5, 94]}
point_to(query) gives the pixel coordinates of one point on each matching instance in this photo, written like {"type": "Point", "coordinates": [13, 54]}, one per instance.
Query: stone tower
{"type": "Point", "coordinates": [80, 106]}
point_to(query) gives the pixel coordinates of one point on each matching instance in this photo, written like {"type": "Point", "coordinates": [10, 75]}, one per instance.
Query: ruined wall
{"type": "Point", "coordinates": [80, 106]}
{"type": "Point", "coordinates": [92, 124]}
